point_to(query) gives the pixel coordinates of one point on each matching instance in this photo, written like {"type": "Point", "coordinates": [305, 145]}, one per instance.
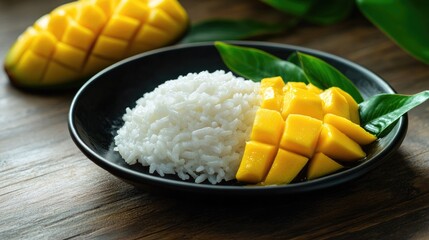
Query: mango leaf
{"type": "Point", "coordinates": [406, 22]}
{"type": "Point", "coordinates": [381, 111]}
{"type": "Point", "coordinates": [321, 12]}
{"type": "Point", "coordinates": [324, 75]}
{"type": "Point", "coordinates": [222, 29]}
{"type": "Point", "coordinates": [294, 7]}
{"type": "Point", "coordinates": [255, 64]}
{"type": "Point", "coordinates": [325, 12]}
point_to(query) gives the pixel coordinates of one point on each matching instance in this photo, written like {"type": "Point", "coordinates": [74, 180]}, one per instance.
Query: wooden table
{"type": "Point", "coordinates": [50, 190]}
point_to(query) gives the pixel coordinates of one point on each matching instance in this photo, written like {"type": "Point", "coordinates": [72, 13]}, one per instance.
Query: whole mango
{"type": "Point", "coordinates": [67, 46]}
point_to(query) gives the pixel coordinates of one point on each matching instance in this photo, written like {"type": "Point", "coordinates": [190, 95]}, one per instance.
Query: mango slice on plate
{"type": "Point", "coordinates": [319, 132]}
{"type": "Point", "coordinates": [321, 165]}
{"type": "Point", "coordinates": [256, 162]}
{"type": "Point", "coordinates": [267, 126]}
{"type": "Point", "coordinates": [301, 134]}
{"type": "Point", "coordinates": [351, 129]}
{"type": "Point", "coordinates": [67, 46]}
{"type": "Point", "coordinates": [271, 93]}
{"type": "Point", "coordinates": [285, 168]}
{"type": "Point", "coordinates": [334, 102]}
{"type": "Point", "coordinates": [297, 100]}
{"type": "Point", "coordinates": [337, 145]}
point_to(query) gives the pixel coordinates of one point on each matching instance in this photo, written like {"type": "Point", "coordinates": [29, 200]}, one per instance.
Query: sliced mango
{"type": "Point", "coordinates": [334, 102]}
{"type": "Point", "coordinates": [285, 168]}
{"type": "Point", "coordinates": [351, 129]}
{"type": "Point", "coordinates": [337, 145]}
{"type": "Point", "coordinates": [301, 134]}
{"type": "Point", "coordinates": [80, 38]}
{"type": "Point", "coordinates": [314, 89]}
{"type": "Point", "coordinates": [353, 106]}
{"type": "Point", "coordinates": [321, 165]}
{"type": "Point", "coordinates": [294, 85]}
{"type": "Point", "coordinates": [271, 92]}
{"type": "Point", "coordinates": [256, 162]}
{"type": "Point", "coordinates": [301, 101]}
{"type": "Point", "coordinates": [321, 129]}
{"type": "Point", "coordinates": [267, 126]}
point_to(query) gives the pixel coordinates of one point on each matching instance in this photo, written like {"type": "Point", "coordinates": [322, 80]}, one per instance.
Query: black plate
{"type": "Point", "coordinates": [97, 109]}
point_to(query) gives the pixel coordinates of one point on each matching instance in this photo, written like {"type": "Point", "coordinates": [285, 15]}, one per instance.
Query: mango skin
{"type": "Point", "coordinates": [66, 47]}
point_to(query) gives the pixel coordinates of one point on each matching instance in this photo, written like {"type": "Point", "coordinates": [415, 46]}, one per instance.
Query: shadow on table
{"type": "Point", "coordinates": [377, 205]}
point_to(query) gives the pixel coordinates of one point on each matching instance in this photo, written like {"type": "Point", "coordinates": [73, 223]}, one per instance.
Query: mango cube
{"type": "Point", "coordinates": [337, 145]}
{"type": "Point", "coordinates": [91, 16]}
{"type": "Point", "coordinates": [69, 56]}
{"type": "Point", "coordinates": [312, 88]}
{"type": "Point", "coordinates": [33, 65]}
{"type": "Point", "coordinates": [275, 82]}
{"type": "Point", "coordinates": [121, 27]}
{"type": "Point", "coordinates": [302, 101]}
{"type": "Point", "coordinates": [78, 36]}
{"type": "Point", "coordinates": [351, 129]}
{"type": "Point", "coordinates": [44, 44]}
{"type": "Point", "coordinates": [54, 69]}
{"type": "Point", "coordinates": [334, 102]}
{"type": "Point", "coordinates": [301, 134]}
{"type": "Point", "coordinates": [321, 165]}
{"type": "Point", "coordinates": [271, 92]}
{"type": "Point", "coordinates": [256, 162]}
{"type": "Point", "coordinates": [285, 168]}
{"type": "Point", "coordinates": [267, 126]}
{"type": "Point", "coordinates": [135, 9]}
{"type": "Point", "coordinates": [294, 85]}
{"type": "Point", "coordinates": [353, 106]}
{"type": "Point", "coordinates": [56, 23]}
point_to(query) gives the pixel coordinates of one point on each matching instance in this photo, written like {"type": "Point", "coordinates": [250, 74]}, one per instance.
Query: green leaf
{"type": "Point", "coordinates": [255, 64]}
{"type": "Point", "coordinates": [323, 75]}
{"type": "Point", "coordinates": [321, 12]}
{"type": "Point", "coordinates": [325, 12]}
{"type": "Point", "coordinates": [294, 7]}
{"type": "Point", "coordinates": [381, 111]}
{"type": "Point", "coordinates": [221, 29]}
{"type": "Point", "coordinates": [406, 22]}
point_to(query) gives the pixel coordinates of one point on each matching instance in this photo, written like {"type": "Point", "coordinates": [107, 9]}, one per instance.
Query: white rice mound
{"type": "Point", "coordinates": [195, 126]}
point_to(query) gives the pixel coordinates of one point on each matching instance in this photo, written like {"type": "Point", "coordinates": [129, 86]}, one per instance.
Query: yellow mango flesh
{"type": "Point", "coordinates": [301, 134]}
{"type": "Point", "coordinates": [256, 162]}
{"type": "Point", "coordinates": [301, 101]}
{"type": "Point", "coordinates": [319, 129]}
{"type": "Point", "coordinates": [353, 106]}
{"type": "Point", "coordinates": [294, 85]}
{"type": "Point", "coordinates": [337, 145]}
{"type": "Point", "coordinates": [351, 129]}
{"type": "Point", "coordinates": [271, 93]}
{"type": "Point", "coordinates": [267, 126]}
{"type": "Point", "coordinates": [285, 167]}
{"type": "Point", "coordinates": [80, 38]}
{"type": "Point", "coordinates": [334, 102]}
{"type": "Point", "coordinates": [321, 165]}
{"type": "Point", "coordinates": [314, 89]}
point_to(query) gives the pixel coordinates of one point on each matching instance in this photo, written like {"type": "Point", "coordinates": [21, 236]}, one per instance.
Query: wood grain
{"type": "Point", "coordinates": [50, 190]}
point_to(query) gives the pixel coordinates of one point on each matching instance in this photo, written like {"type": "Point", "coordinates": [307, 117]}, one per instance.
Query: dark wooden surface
{"type": "Point", "coordinates": [50, 190]}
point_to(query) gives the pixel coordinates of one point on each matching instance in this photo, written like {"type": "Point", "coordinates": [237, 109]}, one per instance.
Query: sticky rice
{"type": "Point", "coordinates": [194, 126]}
